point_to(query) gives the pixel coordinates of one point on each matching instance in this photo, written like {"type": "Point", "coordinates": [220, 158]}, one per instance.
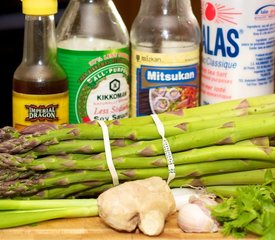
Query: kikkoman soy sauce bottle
{"type": "Point", "coordinates": [40, 89]}
{"type": "Point", "coordinates": [93, 48]}
{"type": "Point", "coordinates": [165, 39]}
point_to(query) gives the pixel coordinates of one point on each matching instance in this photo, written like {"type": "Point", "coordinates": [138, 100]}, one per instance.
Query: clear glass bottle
{"type": "Point", "coordinates": [165, 39]}
{"type": "Point", "coordinates": [93, 48]}
{"type": "Point", "coordinates": [40, 88]}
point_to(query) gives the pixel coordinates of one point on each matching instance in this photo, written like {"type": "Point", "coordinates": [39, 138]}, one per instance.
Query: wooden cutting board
{"type": "Point", "coordinates": [93, 228]}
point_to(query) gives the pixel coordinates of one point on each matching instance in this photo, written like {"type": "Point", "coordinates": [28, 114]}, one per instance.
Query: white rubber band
{"type": "Point", "coordinates": [108, 152]}
{"type": "Point", "coordinates": [166, 148]}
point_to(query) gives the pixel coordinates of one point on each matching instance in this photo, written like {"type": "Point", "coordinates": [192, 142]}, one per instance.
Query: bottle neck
{"type": "Point", "coordinates": [39, 40]}
{"type": "Point", "coordinates": [165, 7]}
{"type": "Point", "coordinates": [97, 21]}
{"type": "Point", "coordinates": [165, 26]}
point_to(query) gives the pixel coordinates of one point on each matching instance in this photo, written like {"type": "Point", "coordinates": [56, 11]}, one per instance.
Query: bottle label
{"type": "Point", "coordinates": [164, 81]}
{"type": "Point", "coordinates": [98, 83]}
{"type": "Point", "coordinates": [29, 109]}
{"type": "Point", "coordinates": [238, 40]}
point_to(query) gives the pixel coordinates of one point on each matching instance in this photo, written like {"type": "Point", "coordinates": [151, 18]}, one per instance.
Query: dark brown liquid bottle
{"type": "Point", "coordinates": [40, 89]}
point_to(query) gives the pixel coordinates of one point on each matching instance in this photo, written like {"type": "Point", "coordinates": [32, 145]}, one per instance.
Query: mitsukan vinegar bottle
{"type": "Point", "coordinates": [165, 39]}
{"type": "Point", "coordinates": [40, 89]}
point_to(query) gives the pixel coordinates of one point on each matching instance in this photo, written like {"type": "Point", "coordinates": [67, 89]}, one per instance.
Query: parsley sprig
{"type": "Point", "coordinates": [252, 210]}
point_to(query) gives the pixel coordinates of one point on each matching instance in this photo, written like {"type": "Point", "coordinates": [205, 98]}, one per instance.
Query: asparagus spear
{"type": "Point", "coordinates": [203, 110]}
{"type": "Point", "coordinates": [254, 176]}
{"type": "Point", "coordinates": [8, 133]}
{"type": "Point", "coordinates": [91, 162]}
{"type": "Point", "coordinates": [70, 146]}
{"type": "Point", "coordinates": [228, 133]}
{"type": "Point", "coordinates": [12, 174]}
{"type": "Point", "coordinates": [65, 191]}
{"type": "Point", "coordinates": [210, 118]}
{"type": "Point", "coordinates": [31, 186]}
{"type": "Point", "coordinates": [93, 192]}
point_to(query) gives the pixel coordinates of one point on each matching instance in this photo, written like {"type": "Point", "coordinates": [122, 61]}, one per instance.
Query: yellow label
{"type": "Point", "coordinates": [164, 81]}
{"type": "Point", "coordinates": [29, 109]}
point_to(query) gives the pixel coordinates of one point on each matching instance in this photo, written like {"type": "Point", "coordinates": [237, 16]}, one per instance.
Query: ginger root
{"type": "Point", "coordinates": [142, 203]}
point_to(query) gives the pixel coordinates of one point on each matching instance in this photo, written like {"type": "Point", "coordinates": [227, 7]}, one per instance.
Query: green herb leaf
{"type": "Point", "coordinates": [252, 210]}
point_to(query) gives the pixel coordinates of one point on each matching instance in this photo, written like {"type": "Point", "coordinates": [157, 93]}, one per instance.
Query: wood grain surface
{"type": "Point", "coordinates": [93, 228]}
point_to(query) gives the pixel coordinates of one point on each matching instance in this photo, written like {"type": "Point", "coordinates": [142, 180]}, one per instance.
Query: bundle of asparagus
{"type": "Point", "coordinates": [223, 144]}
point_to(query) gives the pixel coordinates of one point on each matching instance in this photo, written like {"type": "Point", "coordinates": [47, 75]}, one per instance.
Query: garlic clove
{"type": "Point", "coordinates": [182, 195]}
{"type": "Point", "coordinates": [192, 218]}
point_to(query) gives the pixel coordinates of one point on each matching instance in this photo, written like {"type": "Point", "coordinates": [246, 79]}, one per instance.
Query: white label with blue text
{"type": "Point", "coordinates": [238, 40]}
